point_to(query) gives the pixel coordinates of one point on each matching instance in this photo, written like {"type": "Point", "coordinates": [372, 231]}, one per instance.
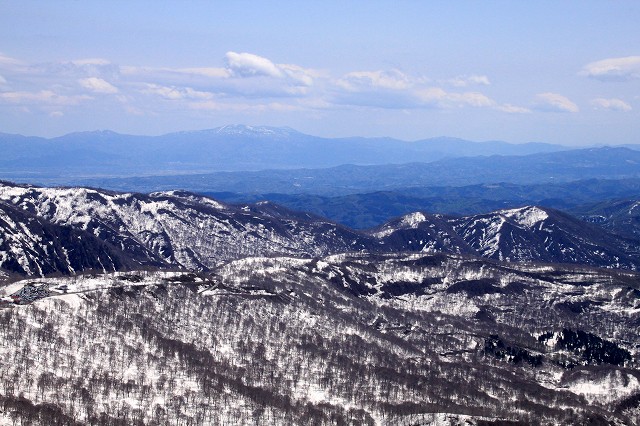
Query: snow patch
{"type": "Point", "coordinates": [526, 216]}
{"type": "Point", "coordinates": [412, 220]}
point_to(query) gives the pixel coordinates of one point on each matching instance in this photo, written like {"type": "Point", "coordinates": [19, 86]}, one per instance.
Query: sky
{"type": "Point", "coordinates": [564, 72]}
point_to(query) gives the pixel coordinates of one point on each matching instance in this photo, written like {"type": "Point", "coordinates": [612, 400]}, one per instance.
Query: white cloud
{"type": "Point", "coordinates": [464, 81]}
{"type": "Point", "coordinates": [56, 114]}
{"type": "Point", "coordinates": [611, 104]}
{"type": "Point", "coordinates": [513, 109]}
{"type": "Point", "coordinates": [8, 61]}
{"type": "Point", "coordinates": [366, 80]}
{"type": "Point", "coordinates": [245, 75]}
{"type": "Point", "coordinates": [47, 97]}
{"type": "Point", "coordinates": [3, 80]}
{"type": "Point", "coordinates": [90, 61]}
{"type": "Point", "coordinates": [553, 102]}
{"type": "Point", "coordinates": [133, 110]}
{"type": "Point", "coordinates": [98, 85]}
{"type": "Point", "coordinates": [250, 65]}
{"type": "Point", "coordinates": [247, 82]}
{"type": "Point", "coordinates": [206, 72]}
{"type": "Point", "coordinates": [394, 89]}
{"type": "Point", "coordinates": [175, 74]}
{"type": "Point", "coordinates": [474, 99]}
{"type": "Point", "coordinates": [298, 74]}
{"type": "Point", "coordinates": [175, 93]}
{"type": "Point", "coordinates": [432, 95]}
{"type": "Point", "coordinates": [242, 107]}
{"type": "Point", "coordinates": [440, 98]}
{"type": "Point", "coordinates": [614, 69]}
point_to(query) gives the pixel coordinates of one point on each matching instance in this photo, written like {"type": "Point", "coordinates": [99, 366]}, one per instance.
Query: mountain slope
{"type": "Point", "coordinates": [516, 235]}
{"type": "Point", "coordinates": [621, 216]}
{"type": "Point", "coordinates": [184, 229]}
{"type": "Point", "coordinates": [31, 245]}
{"type": "Point", "coordinates": [546, 235]}
{"type": "Point", "coordinates": [346, 339]}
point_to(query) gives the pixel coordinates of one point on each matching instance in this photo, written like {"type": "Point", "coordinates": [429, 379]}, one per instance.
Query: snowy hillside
{"type": "Point", "coordinates": [179, 229]}
{"type": "Point", "coordinates": [182, 229]}
{"type": "Point", "coordinates": [33, 246]}
{"type": "Point", "coordinates": [516, 235]}
{"type": "Point", "coordinates": [345, 339]}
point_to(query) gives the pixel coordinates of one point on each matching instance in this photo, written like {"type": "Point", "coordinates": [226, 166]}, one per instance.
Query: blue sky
{"type": "Point", "coordinates": [558, 71]}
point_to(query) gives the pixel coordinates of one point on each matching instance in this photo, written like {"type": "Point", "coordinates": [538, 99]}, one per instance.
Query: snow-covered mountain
{"type": "Point", "coordinates": [236, 314]}
{"type": "Point", "coordinates": [31, 245]}
{"type": "Point", "coordinates": [547, 235]}
{"type": "Point", "coordinates": [184, 230]}
{"type": "Point", "coordinates": [514, 235]}
{"type": "Point", "coordinates": [344, 339]}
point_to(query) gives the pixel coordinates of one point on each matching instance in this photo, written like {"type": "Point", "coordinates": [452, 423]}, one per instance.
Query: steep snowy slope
{"type": "Point", "coordinates": [181, 228]}
{"type": "Point", "coordinates": [33, 246]}
{"type": "Point", "coordinates": [516, 235]}
{"type": "Point", "coordinates": [421, 232]}
{"type": "Point", "coordinates": [542, 234]}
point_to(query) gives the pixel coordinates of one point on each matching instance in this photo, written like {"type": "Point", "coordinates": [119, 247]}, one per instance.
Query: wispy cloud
{"type": "Point", "coordinates": [614, 69]}
{"type": "Point", "coordinates": [611, 104]}
{"type": "Point", "coordinates": [553, 102]}
{"type": "Point", "coordinates": [367, 80]}
{"type": "Point", "coordinates": [471, 80]}
{"type": "Point", "coordinates": [175, 93]}
{"type": "Point", "coordinates": [513, 109]}
{"type": "Point", "coordinates": [98, 85]}
{"type": "Point", "coordinates": [242, 107]}
{"type": "Point", "coordinates": [395, 89]}
{"type": "Point", "coordinates": [209, 72]}
{"type": "Point", "coordinates": [47, 97]}
{"type": "Point", "coordinates": [91, 61]}
{"type": "Point", "coordinates": [7, 61]}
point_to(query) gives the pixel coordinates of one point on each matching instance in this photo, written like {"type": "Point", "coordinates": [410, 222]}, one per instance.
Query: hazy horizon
{"type": "Point", "coordinates": [257, 126]}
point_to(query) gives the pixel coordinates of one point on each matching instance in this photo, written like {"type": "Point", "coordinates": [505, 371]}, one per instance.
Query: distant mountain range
{"type": "Point", "coordinates": [370, 209]}
{"type": "Point", "coordinates": [553, 167]}
{"type": "Point", "coordinates": [228, 148]}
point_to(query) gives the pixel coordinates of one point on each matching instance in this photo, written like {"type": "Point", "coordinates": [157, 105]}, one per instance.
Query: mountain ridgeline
{"type": "Point", "coordinates": [370, 209]}
{"type": "Point", "coordinates": [562, 167]}
{"type": "Point", "coordinates": [227, 148]}
{"type": "Point", "coordinates": [185, 230]}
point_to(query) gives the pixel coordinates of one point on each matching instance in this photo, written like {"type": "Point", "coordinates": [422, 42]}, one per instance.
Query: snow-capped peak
{"type": "Point", "coordinates": [526, 216]}
{"type": "Point", "coordinates": [243, 130]}
{"type": "Point", "coordinates": [412, 220]}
